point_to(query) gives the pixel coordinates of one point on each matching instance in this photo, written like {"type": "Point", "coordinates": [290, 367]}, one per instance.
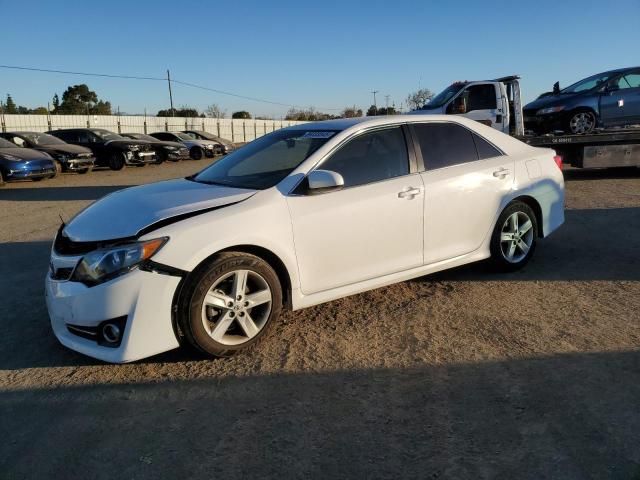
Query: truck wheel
{"type": "Point", "coordinates": [514, 237]}
{"type": "Point", "coordinates": [196, 153]}
{"type": "Point", "coordinates": [116, 161]}
{"type": "Point", "coordinates": [582, 121]}
{"type": "Point", "coordinates": [229, 303]}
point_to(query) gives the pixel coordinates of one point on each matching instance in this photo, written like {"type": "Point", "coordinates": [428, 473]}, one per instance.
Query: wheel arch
{"type": "Point", "coordinates": [535, 206]}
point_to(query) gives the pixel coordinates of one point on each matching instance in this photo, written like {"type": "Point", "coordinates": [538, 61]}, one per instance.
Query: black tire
{"type": "Point", "coordinates": [196, 153]}
{"type": "Point", "coordinates": [190, 307]}
{"type": "Point", "coordinates": [161, 157]}
{"type": "Point", "coordinates": [84, 171]}
{"type": "Point", "coordinates": [581, 121]}
{"type": "Point", "coordinates": [500, 248]}
{"type": "Point", "coordinates": [117, 161]}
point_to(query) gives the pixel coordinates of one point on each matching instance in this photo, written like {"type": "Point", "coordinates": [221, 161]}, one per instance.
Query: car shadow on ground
{"type": "Point", "coordinates": [54, 194]}
{"type": "Point", "coordinates": [577, 174]}
{"type": "Point", "coordinates": [569, 416]}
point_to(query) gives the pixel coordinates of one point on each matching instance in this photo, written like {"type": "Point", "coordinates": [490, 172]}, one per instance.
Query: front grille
{"type": "Point", "coordinates": [61, 273]}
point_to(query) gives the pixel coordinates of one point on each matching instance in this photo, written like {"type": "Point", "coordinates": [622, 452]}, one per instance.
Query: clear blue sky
{"type": "Point", "coordinates": [326, 54]}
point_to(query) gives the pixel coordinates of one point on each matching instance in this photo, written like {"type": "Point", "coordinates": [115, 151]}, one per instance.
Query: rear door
{"type": "Point", "coordinates": [465, 181]}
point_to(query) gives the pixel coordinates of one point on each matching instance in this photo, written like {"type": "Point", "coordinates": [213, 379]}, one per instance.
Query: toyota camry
{"type": "Point", "coordinates": [298, 217]}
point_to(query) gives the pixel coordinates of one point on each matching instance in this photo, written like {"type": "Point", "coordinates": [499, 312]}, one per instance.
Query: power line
{"type": "Point", "coordinates": [135, 77]}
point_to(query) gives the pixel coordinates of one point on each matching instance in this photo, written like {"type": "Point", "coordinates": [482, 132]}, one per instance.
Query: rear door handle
{"type": "Point", "coordinates": [409, 193]}
{"type": "Point", "coordinates": [501, 173]}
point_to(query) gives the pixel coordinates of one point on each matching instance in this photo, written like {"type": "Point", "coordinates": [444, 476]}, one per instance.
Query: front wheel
{"type": "Point", "coordinates": [514, 237]}
{"type": "Point", "coordinates": [117, 161]}
{"type": "Point", "coordinates": [582, 122]}
{"type": "Point", "coordinates": [196, 153]}
{"type": "Point", "coordinates": [229, 304]}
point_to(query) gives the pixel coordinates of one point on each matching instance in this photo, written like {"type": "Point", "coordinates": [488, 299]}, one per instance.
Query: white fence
{"type": "Point", "coordinates": [234, 130]}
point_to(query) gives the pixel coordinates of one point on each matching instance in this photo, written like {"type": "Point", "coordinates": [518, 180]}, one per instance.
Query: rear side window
{"type": "Point", "coordinates": [481, 97]}
{"type": "Point", "coordinates": [371, 157]}
{"type": "Point", "coordinates": [445, 144]}
{"type": "Point", "coordinates": [484, 148]}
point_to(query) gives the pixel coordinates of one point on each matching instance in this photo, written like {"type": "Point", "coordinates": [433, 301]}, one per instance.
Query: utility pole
{"type": "Point", "coordinates": [170, 94]}
{"type": "Point", "coordinates": [375, 105]}
{"type": "Point", "coordinates": [386, 102]}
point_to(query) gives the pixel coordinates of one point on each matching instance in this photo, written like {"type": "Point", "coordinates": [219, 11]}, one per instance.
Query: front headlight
{"type": "Point", "coordinates": [104, 264]}
{"type": "Point", "coordinates": [546, 111]}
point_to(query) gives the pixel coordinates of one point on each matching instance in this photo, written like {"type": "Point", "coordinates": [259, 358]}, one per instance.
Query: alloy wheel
{"type": "Point", "coordinates": [236, 307]}
{"type": "Point", "coordinates": [583, 122]}
{"type": "Point", "coordinates": [516, 237]}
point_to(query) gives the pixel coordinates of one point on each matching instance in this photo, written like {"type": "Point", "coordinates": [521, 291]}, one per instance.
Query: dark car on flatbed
{"type": "Point", "coordinates": [110, 149]}
{"type": "Point", "coordinates": [172, 151]}
{"type": "Point", "coordinates": [69, 158]}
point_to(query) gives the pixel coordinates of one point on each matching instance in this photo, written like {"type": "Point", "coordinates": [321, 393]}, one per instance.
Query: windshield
{"type": "Point", "coordinates": [444, 96]}
{"type": "Point", "coordinates": [205, 135]}
{"type": "Point", "coordinates": [141, 136]}
{"type": "Point", "coordinates": [587, 83]}
{"type": "Point", "coordinates": [266, 161]}
{"type": "Point", "coordinates": [183, 136]}
{"type": "Point", "coordinates": [107, 135]}
{"type": "Point", "coordinates": [42, 139]}
{"type": "Point", "coordinates": [6, 144]}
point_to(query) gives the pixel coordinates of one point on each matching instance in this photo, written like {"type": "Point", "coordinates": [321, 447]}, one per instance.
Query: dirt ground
{"type": "Point", "coordinates": [464, 375]}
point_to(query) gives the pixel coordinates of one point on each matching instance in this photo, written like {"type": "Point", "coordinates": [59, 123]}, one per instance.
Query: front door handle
{"type": "Point", "coordinates": [409, 193]}
{"type": "Point", "coordinates": [501, 173]}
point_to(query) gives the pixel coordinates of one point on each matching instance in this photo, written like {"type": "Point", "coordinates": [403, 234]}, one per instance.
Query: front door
{"type": "Point", "coordinates": [621, 106]}
{"type": "Point", "coordinates": [371, 227]}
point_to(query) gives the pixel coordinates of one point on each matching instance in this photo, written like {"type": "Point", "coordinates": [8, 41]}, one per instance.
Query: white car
{"type": "Point", "coordinates": [301, 216]}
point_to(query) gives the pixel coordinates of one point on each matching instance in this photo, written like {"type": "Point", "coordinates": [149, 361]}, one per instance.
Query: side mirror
{"type": "Point", "coordinates": [323, 180]}
{"type": "Point", "coordinates": [612, 87]}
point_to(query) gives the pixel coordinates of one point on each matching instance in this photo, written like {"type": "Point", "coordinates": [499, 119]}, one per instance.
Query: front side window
{"type": "Point", "coordinates": [266, 161]}
{"type": "Point", "coordinates": [371, 157]}
{"type": "Point", "coordinates": [445, 144]}
{"type": "Point", "coordinates": [587, 84]}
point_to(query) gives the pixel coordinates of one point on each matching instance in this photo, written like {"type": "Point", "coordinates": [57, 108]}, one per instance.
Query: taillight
{"type": "Point", "coordinates": [558, 160]}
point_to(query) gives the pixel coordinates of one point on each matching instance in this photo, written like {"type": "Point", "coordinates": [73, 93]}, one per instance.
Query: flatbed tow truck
{"type": "Point", "coordinates": [497, 103]}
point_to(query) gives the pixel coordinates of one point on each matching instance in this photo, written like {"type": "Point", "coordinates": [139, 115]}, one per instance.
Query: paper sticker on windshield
{"type": "Point", "coordinates": [318, 134]}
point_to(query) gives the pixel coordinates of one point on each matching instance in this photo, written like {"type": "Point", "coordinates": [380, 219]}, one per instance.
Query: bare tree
{"type": "Point", "coordinates": [351, 112]}
{"type": "Point", "coordinates": [418, 98]}
{"type": "Point", "coordinates": [214, 111]}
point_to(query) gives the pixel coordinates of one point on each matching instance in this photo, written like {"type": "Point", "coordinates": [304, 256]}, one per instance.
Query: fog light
{"type": "Point", "coordinates": [111, 333]}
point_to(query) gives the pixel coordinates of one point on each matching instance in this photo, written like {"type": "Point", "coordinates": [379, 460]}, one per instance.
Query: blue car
{"type": "Point", "coordinates": [19, 163]}
{"type": "Point", "coordinates": [609, 99]}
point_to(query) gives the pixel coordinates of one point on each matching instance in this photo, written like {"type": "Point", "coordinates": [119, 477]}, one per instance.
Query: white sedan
{"type": "Point", "coordinates": [298, 217]}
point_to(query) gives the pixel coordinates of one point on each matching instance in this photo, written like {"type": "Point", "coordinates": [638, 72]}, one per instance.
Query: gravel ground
{"type": "Point", "coordinates": [463, 374]}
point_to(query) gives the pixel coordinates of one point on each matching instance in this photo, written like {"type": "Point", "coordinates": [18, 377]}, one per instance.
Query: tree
{"type": "Point", "coordinates": [241, 114]}
{"type": "Point", "coordinates": [78, 99]}
{"type": "Point", "coordinates": [39, 111]}
{"type": "Point", "coordinates": [372, 111]}
{"type": "Point", "coordinates": [56, 102]}
{"type": "Point", "coordinates": [418, 98]}
{"type": "Point", "coordinates": [10, 106]}
{"type": "Point", "coordinates": [184, 111]}
{"type": "Point", "coordinates": [351, 112]}
{"type": "Point", "coordinates": [214, 111]}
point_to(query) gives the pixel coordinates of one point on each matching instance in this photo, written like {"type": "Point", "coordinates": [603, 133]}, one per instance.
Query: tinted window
{"type": "Point", "coordinates": [371, 157]}
{"type": "Point", "coordinates": [445, 144]}
{"type": "Point", "coordinates": [484, 148]}
{"type": "Point", "coordinates": [630, 80]}
{"type": "Point", "coordinates": [66, 136]}
{"type": "Point", "coordinates": [481, 97]}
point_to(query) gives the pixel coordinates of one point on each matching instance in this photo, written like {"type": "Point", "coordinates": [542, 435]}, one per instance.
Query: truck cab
{"type": "Point", "coordinates": [495, 103]}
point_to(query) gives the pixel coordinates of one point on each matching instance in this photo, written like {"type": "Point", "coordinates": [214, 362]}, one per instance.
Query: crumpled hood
{"type": "Point", "coordinates": [126, 212]}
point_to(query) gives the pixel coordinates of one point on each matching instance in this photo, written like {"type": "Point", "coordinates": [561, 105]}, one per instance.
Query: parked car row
{"type": "Point", "coordinates": [36, 155]}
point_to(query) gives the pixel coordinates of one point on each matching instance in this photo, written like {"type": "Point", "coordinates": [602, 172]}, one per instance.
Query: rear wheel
{"type": "Point", "coordinates": [196, 153]}
{"type": "Point", "coordinates": [161, 157]}
{"type": "Point", "coordinates": [583, 121]}
{"type": "Point", "coordinates": [229, 304]}
{"type": "Point", "coordinates": [514, 237]}
{"type": "Point", "coordinates": [117, 161]}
